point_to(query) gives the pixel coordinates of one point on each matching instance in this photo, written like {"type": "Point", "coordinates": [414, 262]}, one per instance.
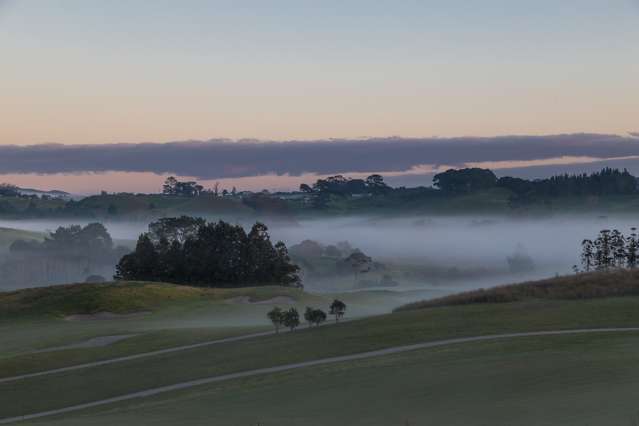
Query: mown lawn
{"type": "Point", "coordinates": [39, 394]}
{"type": "Point", "coordinates": [176, 315]}
{"type": "Point", "coordinates": [560, 380]}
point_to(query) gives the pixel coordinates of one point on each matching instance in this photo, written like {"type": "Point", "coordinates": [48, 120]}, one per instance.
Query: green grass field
{"type": "Point", "coordinates": [39, 394]}
{"type": "Point", "coordinates": [36, 319]}
{"type": "Point", "coordinates": [524, 380]}
{"type": "Point", "coordinates": [584, 380]}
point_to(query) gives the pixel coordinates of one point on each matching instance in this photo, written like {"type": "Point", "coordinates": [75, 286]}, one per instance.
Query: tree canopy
{"type": "Point", "coordinates": [464, 180]}
{"type": "Point", "coordinates": [174, 187]}
{"type": "Point", "coordinates": [196, 252]}
{"type": "Point", "coordinates": [340, 185]}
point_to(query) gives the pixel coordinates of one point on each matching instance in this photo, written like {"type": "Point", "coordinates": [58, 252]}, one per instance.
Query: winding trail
{"type": "Point", "coordinates": [268, 370]}
{"type": "Point", "coordinates": [136, 356]}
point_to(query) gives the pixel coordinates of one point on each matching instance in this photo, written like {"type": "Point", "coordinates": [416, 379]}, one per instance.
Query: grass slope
{"type": "Point", "coordinates": [571, 287]}
{"type": "Point", "coordinates": [34, 319]}
{"type": "Point", "coordinates": [568, 380]}
{"type": "Point", "coordinates": [10, 235]}
{"type": "Point", "coordinates": [121, 297]}
{"type": "Point", "coordinates": [549, 380]}
{"type": "Point", "coordinates": [39, 394]}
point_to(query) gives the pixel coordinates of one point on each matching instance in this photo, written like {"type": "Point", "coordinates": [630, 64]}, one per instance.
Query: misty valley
{"type": "Point", "coordinates": [307, 213]}
{"type": "Point", "coordinates": [231, 294]}
{"type": "Point", "coordinates": [407, 254]}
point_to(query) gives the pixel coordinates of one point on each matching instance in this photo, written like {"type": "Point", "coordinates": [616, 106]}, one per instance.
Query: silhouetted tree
{"type": "Point", "coordinates": [9, 190]}
{"type": "Point", "coordinates": [359, 263]}
{"type": "Point", "coordinates": [587, 254]}
{"type": "Point", "coordinates": [314, 316]}
{"type": "Point", "coordinates": [603, 254]}
{"type": "Point", "coordinates": [291, 319]}
{"type": "Point", "coordinates": [465, 180]}
{"type": "Point", "coordinates": [277, 317]}
{"type": "Point", "coordinates": [632, 249]}
{"type": "Point", "coordinates": [174, 187]}
{"type": "Point", "coordinates": [376, 185]}
{"type": "Point", "coordinates": [192, 251]}
{"type": "Point", "coordinates": [337, 308]}
{"type": "Point", "coordinates": [611, 249]}
{"type": "Point", "coordinates": [618, 248]}
{"type": "Point", "coordinates": [319, 316]}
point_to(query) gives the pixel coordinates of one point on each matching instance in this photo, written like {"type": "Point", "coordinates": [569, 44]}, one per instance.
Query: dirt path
{"type": "Point", "coordinates": [331, 360]}
{"type": "Point", "coordinates": [95, 342]}
{"type": "Point", "coordinates": [136, 356]}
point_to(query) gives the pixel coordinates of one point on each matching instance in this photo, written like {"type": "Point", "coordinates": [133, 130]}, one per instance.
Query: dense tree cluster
{"type": "Point", "coordinates": [288, 318]}
{"type": "Point", "coordinates": [608, 181]}
{"type": "Point", "coordinates": [85, 242]}
{"type": "Point", "coordinates": [69, 254]}
{"type": "Point", "coordinates": [314, 316]}
{"type": "Point", "coordinates": [9, 190]}
{"type": "Point", "coordinates": [340, 185]}
{"type": "Point", "coordinates": [464, 181]}
{"type": "Point", "coordinates": [192, 251]}
{"type": "Point", "coordinates": [174, 187]}
{"type": "Point", "coordinates": [611, 249]}
{"type": "Point", "coordinates": [605, 182]}
{"type": "Point", "coordinates": [332, 263]}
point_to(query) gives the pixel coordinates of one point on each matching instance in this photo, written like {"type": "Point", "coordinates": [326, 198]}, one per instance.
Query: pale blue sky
{"type": "Point", "coordinates": [79, 71]}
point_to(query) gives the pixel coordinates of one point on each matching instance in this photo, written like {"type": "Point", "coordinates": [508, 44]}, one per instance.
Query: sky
{"type": "Point", "coordinates": [95, 73]}
{"type": "Point", "coordinates": [87, 72]}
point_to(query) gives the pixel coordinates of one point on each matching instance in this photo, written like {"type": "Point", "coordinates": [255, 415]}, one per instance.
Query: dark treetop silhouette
{"type": "Point", "coordinates": [195, 252]}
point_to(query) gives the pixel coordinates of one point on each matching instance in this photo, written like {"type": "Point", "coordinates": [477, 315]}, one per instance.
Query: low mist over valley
{"type": "Point", "coordinates": [287, 213]}
{"type": "Point", "coordinates": [440, 253]}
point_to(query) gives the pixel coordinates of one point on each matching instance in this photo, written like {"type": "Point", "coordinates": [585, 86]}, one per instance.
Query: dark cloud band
{"type": "Point", "coordinates": [217, 159]}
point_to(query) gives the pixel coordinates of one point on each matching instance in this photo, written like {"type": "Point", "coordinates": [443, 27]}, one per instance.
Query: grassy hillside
{"type": "Point", "coordinates": [567, 381]}
{"type": "Point", "coordinates": [346, 338]}
{"type": "Point", "coordinates": [152, 205]}
{"type": "Point", "coordinates": [579, 286]}
{"type": "Point", "coordinates": [527, 380]}
{"type": "Point", "coordinates": [121, 298]}
{"type": "Point", "coordinates": [9, 235]}
{"type": "Point", "coordinates": [159, 314]}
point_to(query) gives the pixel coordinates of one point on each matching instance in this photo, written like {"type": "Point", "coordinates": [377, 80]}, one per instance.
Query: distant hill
{"type": "Point", "coordinates": [52, 193]}
{"type": "Point", "coordinates": [9, 235]}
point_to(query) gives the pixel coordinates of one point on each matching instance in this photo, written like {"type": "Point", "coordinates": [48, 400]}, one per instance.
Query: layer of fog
{"type": "Point", "coordinates": [466, 243]}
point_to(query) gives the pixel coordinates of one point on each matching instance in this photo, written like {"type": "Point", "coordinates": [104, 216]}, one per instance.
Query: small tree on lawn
{"type": "Point", "coordinates": [337, 308]}
{"type": "Point", "coordinates": [291, 318]}
{"type": "Point", "coordinates": [309, 315]}
{"type": "Point", "coordinates": [314, 316]}
{"type": "Point", "coordinates": [276, 315]}
{"type": "Point", "coordinates": [319, 316]}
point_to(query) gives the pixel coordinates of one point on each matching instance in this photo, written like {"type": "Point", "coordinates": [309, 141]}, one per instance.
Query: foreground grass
{"type": "Point", "coordinates": [561, 380]}
{"type": "Point", "coordinates": [39, 394]}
